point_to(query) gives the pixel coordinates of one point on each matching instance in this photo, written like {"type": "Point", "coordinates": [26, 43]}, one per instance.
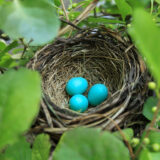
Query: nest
{"type": "Point", "coordinates": [100, 56]}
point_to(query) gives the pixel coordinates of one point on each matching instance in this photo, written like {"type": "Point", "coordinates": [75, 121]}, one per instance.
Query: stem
{"type": "Point", "coordinates": [64, 9]}
{"type": "Point", "coordinates": [80, 18]}
{"type": "Point", "coordinates": [25, 47]}
{"type": "Point", "coordinates": [151, 126]}
{"type": "Point", "coordinates": [124, 138]}
{"type": "Point", "coordinates": [152, 1]}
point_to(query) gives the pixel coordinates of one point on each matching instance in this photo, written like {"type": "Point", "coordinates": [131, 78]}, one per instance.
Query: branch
{"type": "Point", "coordinates": [124, 138]}
{"type": "Point", "coordinates": [80, 18]}
{"type": "Point", "coordinates": [64, 9]}
{"type": "Point", "coordinates": [151, 126]}
{"type": "Point", "coordinates": [71, 24]}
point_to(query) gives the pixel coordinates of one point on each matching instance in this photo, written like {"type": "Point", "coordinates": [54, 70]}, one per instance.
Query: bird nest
{"type": "Point", "coordinates": [100, 56]}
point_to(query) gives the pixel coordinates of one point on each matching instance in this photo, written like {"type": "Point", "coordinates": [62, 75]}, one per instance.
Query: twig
{"type": "Point", "coordinates": [155, 129]}
{"type": "Point", "coordinates": [71, 24]}
{"type": "Point", "coordinates": [64, 9]}
{"type": "Point", "coordinates": [47, 114]}
{"type": "Point", "coordinates": [124, 138]}
{"type": "Point", "coordinates": [95, 13]}
{"type": "Point", "coordinates": [110, 14]}
{"type": "Point", "coordinates": [80, 18]}
{"type": "Point", "coordinates": [151, 126]}
{"type": "Point", "coordinates": [25, 46]}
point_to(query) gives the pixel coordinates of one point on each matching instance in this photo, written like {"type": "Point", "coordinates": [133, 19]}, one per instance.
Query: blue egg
{"type": "Point", "coordinates": [78, 103]}
{"type": "Point", "coordinates": [97, 94]}
{"type": "Point", "coordinates": [76, 85]}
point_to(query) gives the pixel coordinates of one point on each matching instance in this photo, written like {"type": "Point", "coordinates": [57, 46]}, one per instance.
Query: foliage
{"type": "Point", "coordinates": [21, 149]}
{"type": "Point", "coordinates": [92, 145]}
{"type": "Point", "coordinates": [33, 20]}
{"type": "Point", "coordinates": [128, 134]}
{"type": "Point", "coordinates": [147, 41]}
{"type": "Point", "coordinates": [41, 147]}
{"type": "Point", "coordinates": [31, 23]}
{"type": "Point", "coordinates": [124, 8]}
{"type": "Point", "coordinates": [149, 104]}
{"type": "Point", "coordinates": [18, 103]}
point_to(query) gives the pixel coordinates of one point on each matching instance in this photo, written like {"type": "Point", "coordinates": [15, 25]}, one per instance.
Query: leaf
{"type": "Point", "coordinates": [146, 38]}
{"type": "Point", "coordinates": [19, 151]}
{"type": "Point", "coordinates": [147, 109]}
{"type": "Point", "coordinates": [20, 93]}
{"type": "Point", "coordinates": [144, 155]}
{"type": "Point", "coordinates": [147, 155]}
{"type": "Point", "coordinates": [124, 8]}
{"type": "Point", "coordinates": [8, 48]}
{"type": "Point", "coordinates": [41, 147]}
{"type": "Point", "coordinates": [6, 61]}
{"type": "Point", "coordinates": [2, 44]}
{"type": "Point", "coordinates": [33, 20]}
{"type": "Point", "coordinates": [2, 157]}
{"type": "Point", "coordinates": [55, 2]}
{"type": "Point", "coordinates": [1, 2]}
{"type": "Point", "coordinates": [128, 133]}
{"type": "Point", "coordinates": [90, 144]}
{"type": "Point", "coordinates": [138, 3]}
{"type": "Point", "coordinates": [103, 20]}
{"type": "Point", "coordinates": [158, 1]}
{"type": "Point", "coordinates": [154, 137]}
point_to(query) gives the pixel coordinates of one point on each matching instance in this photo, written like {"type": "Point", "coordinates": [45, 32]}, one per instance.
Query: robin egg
{"type": "Point", "coordinates": [97, 94]}
{"type": "Point", "coordinates": [78, 103]}
{"type": "Point", "coordinates": [76, 85]}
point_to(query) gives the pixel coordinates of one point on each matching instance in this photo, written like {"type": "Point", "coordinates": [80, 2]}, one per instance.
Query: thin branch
{"type": "Point", "coordinates": [80, 18]}
{"type": "Point", "coordinates": [151, 126]}
{"type": "Point", "coordinates": [25, 46]}
{"type": "Point", "coordinates": [64, 9]}
{"type": "Point", "coordinates": [71, 24]}
{"type": "Point", "coordinates": [124, 138]}
{"type": "Point", "coordinates": [155, 129]}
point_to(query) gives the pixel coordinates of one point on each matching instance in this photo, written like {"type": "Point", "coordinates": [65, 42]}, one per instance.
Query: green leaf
{"type": "Point", "coordinates": [8, 48]}
{"type": "Point", "coordinates": [154, 137]}
{"type": "Point", "coordinates": [147, 109]}
{"type": "Point", "coordinates": [158, 1]}
{"type": "Point", "coordinates": [20, 93]}
{"type": "Point", "coordinates": [124, 8]}
{"type": "Point", "coordinates": [55, 2]}
{"type": "Point", "coordinates": [1, 2]}
{"type": "Point", "coordinates": [138, 3]}
{"type": "Point", "coordinates": [144, 155]}
{"type": "Point", "coordinates": [147, 155]}
{"type": "Point", "coordinates": [90, 144]}
{"type": "Point", "coordinates": [2, 157]}
{"type": "Point", "coordinates": [6, 61]}
{"type": "Point", "coordinates": [146, 38]}
{"type": "Point", "coordinates": [41, 147]}
{"type": "Point", "coordinates": [2, 44]}
{"type": "Point", "coordinates": [33, 20]}
{"type": "Point", "coordinates": [19, 151]}
{"type": "Point", "coordinates": [103, 20]}
{"type": "Point", "coordinates": [128, 133]}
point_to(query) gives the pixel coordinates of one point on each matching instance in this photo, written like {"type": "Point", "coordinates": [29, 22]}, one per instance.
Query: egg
{"type": "Point", "coordinates": [76, 85]}
{"type": "Point", "coordinates": [78, 103]}
{"type": "Point", "coordinates": [97, 94]}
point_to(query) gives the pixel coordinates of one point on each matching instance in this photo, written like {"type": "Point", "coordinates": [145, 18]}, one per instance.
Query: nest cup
{"type": "Point", "coordinates": [100, 56]}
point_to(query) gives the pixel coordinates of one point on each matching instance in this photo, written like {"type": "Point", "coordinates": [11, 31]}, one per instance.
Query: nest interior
{"type": "Point", "coordinates": [100, 56]}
